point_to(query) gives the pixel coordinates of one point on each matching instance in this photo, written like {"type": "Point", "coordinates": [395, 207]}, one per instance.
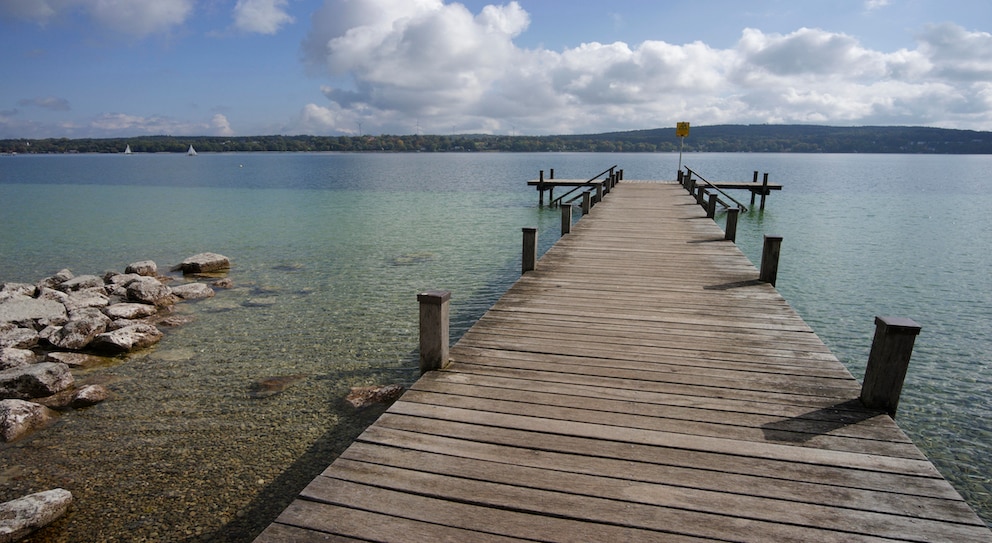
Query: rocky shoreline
{"type": "Point", "coordinates": [67, 321]}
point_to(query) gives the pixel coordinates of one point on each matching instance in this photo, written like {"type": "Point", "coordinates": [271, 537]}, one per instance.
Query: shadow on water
{"type": "Point", "coordinates": [278, 494]}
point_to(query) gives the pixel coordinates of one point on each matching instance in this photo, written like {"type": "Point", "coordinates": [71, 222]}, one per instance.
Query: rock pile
{"type": "Point", "coordinates": [61, 321]}
{"type": "Point", "coordinates": [49, 326]}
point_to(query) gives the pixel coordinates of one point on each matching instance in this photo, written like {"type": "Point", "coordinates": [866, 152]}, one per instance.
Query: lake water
{"type": "Point", "coordinates": [329, 251]}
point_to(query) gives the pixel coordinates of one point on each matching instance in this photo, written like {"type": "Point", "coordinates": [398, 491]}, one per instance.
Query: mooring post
{"type": "Point", "coordinates": [755, 182]}
{"type": "Point", "coordinates": [692, 186]}
{"type": "Point", "coordinates": [730, 233]}
{"type": "Point", "coordinates": [620, 175]}
{"type": "Point", "coordinates": [599, 193]}
{"type": "Point", "coordinates": [769, 259]}
{"type": "Point", "coordinates": [681, 179]}
{"type": "Point", "coordinates": [529, 259]}
{"type": "Point", "coordinates": [888, 362]}
{"type": "Point", "coordinates": [764, 191]}
{"type": "Point", "coordinates": [586, 203]}
{"type": "Point", "coordinates": [540, 189]}
{"type": "Point", "coordinates": [701, 196]}
{"type": "Point", "coordinates": [711, 207]}
{"type": "Point", "coordinates": [552, 173]}
{"type": "Point", "coordinates": [566, 218]}
{"type": "Point", "coordinates": [433, 329]}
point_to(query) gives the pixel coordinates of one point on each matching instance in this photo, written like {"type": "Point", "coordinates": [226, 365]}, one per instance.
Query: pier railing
{"type": "Point", "coordinates": [606, 184]}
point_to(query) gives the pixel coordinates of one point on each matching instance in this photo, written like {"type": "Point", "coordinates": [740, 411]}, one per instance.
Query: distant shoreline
{"type": "Point", "coordinates": [717, 138]}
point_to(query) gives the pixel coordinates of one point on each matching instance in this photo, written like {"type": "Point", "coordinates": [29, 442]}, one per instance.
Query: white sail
{"type": "Point", "coordinates": [191, 151]}
{"type": "Point", "coordinates": [127, 150]}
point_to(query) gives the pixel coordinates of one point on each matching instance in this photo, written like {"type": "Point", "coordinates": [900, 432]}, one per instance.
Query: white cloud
{"type": "Point", "coordinates": [261, 16]}
{"type": "Point", "coordinates": [133, 17]}
{"type": "Point", "coordinates": [221, 126]}
{"type": "Point", "coordinates": [140, 18]}
{"type": "Point", "coordinates": [401, 62]}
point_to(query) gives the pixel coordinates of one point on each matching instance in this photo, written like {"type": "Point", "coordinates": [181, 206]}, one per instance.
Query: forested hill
{"type": "Point", "coordinates": [716, 138]}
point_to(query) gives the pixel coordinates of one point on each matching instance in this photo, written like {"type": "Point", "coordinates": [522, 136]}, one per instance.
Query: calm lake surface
{"type": "Point", "coordinates": [329, 251]}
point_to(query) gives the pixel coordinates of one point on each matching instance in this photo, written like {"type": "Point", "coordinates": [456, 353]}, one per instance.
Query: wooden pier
{"type": "Point", "coordinates": [641, 384]}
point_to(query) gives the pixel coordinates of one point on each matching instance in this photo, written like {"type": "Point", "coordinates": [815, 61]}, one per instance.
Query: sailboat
{"type": "Point", "coordinates": [191, 151]}
{"type": "Point", "coordinates": [127, 150]}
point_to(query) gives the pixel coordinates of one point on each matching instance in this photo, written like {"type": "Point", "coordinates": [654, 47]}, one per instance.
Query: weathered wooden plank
{"type": "Point", "coordinates": [652, 507]}
{"type": "Point", "coordinates": [656, 471]}
{"type": "Point", "coordinates": [922, 482]}
{"type": "Point", "coordinates": [846, 422]}
{"type": "Point", "coordinates": [618, 487]}
{"type": "Point", "coordinates": [793, 432]}
{"type": "Point", "coordinates": [457, 520]}
{"type": "Point", "coordinates": [918, 465]}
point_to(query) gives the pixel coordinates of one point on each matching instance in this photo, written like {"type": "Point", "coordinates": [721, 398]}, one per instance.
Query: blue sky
{"type": "Point", "coordinates": [120, 68]}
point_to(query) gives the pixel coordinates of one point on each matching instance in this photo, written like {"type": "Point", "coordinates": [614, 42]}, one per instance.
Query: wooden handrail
{"type": "Point", "coordinates": [586, 186]}
{"type": "Point", "coordinates": [714, 187]}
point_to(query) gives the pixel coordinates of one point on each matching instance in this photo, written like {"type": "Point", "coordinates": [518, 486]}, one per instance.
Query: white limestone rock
{"type": "Point", "coordinates": [20, 517]}
{"type": "Point", "coordinates": [35, 381]}
{"type": "Point", "coordinates": [19, 418]}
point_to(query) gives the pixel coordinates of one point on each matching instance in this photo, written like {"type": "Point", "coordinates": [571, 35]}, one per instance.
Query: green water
{"type": "Point", "coordinates": [328, 252]}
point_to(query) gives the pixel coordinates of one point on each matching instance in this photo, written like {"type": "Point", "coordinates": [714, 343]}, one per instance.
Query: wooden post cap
{"type": "Point", "coordinates": [899, 325]}
{"type": "Point", "coordinates": [436, 297]}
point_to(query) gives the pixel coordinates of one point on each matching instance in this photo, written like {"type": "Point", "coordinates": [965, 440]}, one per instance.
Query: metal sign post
{"type": "Point", "coordinates": [682, 132]}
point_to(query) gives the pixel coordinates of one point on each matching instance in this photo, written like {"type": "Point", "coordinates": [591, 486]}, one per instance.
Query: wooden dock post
{"type": "Point", "coordinates": [599, 193]}
{"type": "Point", "coordinates": [529, 259]}
{"type": "Point", "coordinates": [586, 203]}
{"type": "Point", "coordinates": [566, 218]}
{"type": "Point", "coordinates": [769, 259]}
{"type": "Point", "coordinates": [730, 232]}
{"type": "Point", "coordinates": [540, 190]}
{"type": "Point", "coordinates": [681, 179]}
{"type": "Point", "coordinates": [755, 181]}
{"type": "Point", "coordinates": [434, 336]}
{"type": "Point", "coordinates": [552, 173]}
{"type": "Point", "coordinates": [764, 191]}
{"type": "Point", "coordinates": [887, 362]}
{"type": "Point", "coordinates": [711, 206]}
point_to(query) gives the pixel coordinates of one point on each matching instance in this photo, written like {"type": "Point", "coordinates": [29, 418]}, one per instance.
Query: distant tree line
{"type": "Point", "coordinates": [717, 138]}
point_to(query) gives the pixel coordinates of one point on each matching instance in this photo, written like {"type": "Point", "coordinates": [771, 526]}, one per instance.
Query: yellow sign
{"type": "Point", "coordinates": [682, 130]}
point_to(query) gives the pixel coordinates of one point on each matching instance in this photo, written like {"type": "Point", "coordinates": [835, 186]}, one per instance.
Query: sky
{"type": "Point", "coordinates": [127, 68]}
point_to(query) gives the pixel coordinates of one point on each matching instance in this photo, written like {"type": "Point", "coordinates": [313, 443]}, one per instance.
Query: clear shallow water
{"type": "Point", "coordinates": [329, 251]}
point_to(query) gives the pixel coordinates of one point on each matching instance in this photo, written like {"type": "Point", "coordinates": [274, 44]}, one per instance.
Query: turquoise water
{"type": "Point", "coordinates": [329, 250]}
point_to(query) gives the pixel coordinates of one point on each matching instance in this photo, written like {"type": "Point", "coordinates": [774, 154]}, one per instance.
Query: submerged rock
{"type": "Point", "coordinates": [204, 263]}
{"type": "Point", "coordinates": [365, 396]}
{"type": "Point", "coordinates": [270, 386]}
{"type": "Point", "coordinates": [193, 291]}
{"type": "Point", "coordinates": [20, 517]}
{"type": "Point", "coordinates": [88, 395]}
